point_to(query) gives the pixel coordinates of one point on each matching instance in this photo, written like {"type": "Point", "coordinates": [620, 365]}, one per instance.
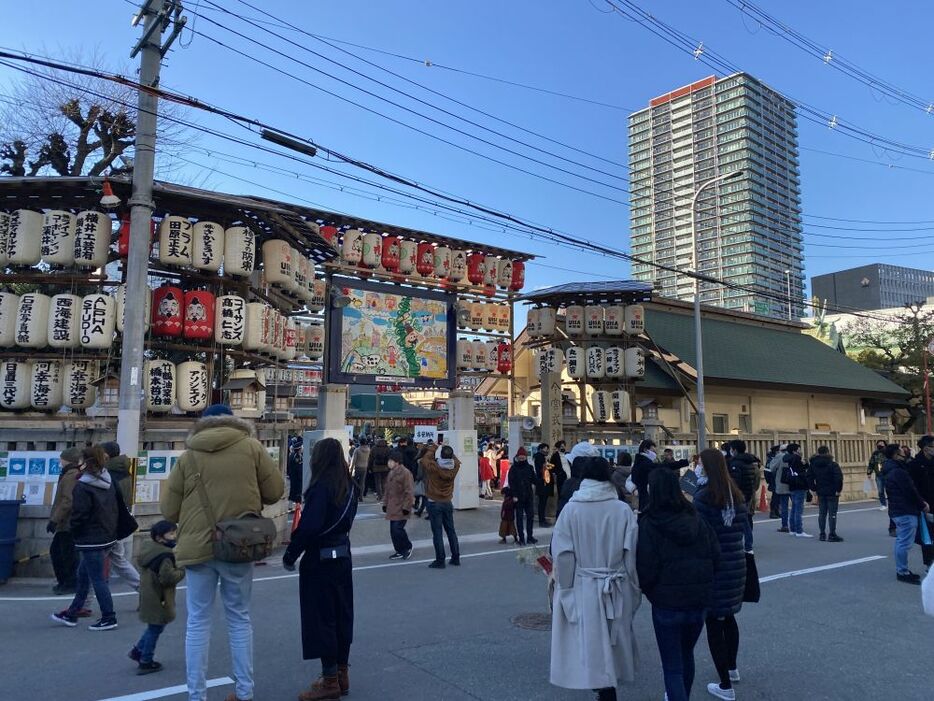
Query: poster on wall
{"type": "Point", "coordinates": [393, 335]}
{"type": "Point", "coordinates": [157, 464]}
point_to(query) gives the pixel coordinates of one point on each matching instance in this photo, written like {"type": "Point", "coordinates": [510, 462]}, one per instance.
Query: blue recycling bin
{"type": "Point", "coordinates": [7, 546]}
{"type": "Point", "coordinates": [9, 513]}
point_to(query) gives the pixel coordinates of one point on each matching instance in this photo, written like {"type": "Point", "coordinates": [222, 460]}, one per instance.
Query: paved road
{"type": "Point", "coordinates": [833, 624]}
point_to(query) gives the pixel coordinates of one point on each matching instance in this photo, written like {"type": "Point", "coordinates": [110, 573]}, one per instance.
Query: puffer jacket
{"type": "Point", "coordinates": [795, 474]}
{"type": "Point", "coordinates": [119, 469]}
{"type": "Point", "coordinates": [522, 480]}
{"type": "Point", "coordinates": [921, 469]}
{"type": "Point", "coordinates": [730, 579]}
{"type": "Point", "coordinates": [158, 577]}
{"type": "Point", "coordinates": [94, 512]}
{"type": "Point", "coordinates": [903, 496]}
{"type": "Point", "coordinates": [61, 505]}
{"type": "Point", "coordinates": [379, 459]}
{"type": "Point", "coordinates": [237, 472]}
{"type": "Point", "coordinates": [744, 469]}
{"type": "Point", "coordinates": [825, 476]}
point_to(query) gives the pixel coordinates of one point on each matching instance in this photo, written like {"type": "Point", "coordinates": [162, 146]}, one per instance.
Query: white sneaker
{"type": "Point", "coordinates": [727, 694]}
{"type": "Point", "coordinates": [734, 675]}
{"type": "Point", "coordinates": [883, 508]}
{"type": "Point", "coordinates": [802, 534]}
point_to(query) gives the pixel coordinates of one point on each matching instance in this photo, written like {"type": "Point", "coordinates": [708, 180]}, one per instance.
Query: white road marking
{"type": "Point", "coordinates": [816, 514]}
{"type": "Point", "coordinates": [822, 568]}
{"type": "Point", "coordinates": [168, 691]}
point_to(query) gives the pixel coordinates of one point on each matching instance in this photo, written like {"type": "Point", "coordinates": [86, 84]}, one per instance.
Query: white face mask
{"type": "Point", "coordinates": [701, 475]}
{"type": "Point", "coordinates": [651, 455]}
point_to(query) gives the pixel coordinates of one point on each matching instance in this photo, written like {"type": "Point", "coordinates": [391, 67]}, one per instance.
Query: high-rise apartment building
{"type": "Point", "coordinates": [875, 286]}
{"type": "Point", "coordinates": [749, 227]}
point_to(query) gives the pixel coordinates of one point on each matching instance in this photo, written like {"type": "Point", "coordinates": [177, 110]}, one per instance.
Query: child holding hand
{"type": "Point", "coordinates": [507, 515]}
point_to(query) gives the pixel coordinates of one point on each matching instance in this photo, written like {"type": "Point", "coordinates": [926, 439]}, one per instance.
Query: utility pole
{"type": "Point", "coordinates": [928, 350]}
{"type": "Point", "coordinates": [157, 15]}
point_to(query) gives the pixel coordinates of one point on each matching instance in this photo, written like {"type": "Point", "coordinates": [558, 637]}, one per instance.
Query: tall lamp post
{"type": "Point", "coordinates": [928, 350]}
{"type": "Point", "coordinates": [788, 291]}
{"type": "Point", "coordinates": [698, 334]}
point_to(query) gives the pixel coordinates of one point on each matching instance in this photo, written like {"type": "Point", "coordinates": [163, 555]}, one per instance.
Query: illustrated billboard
{"type": "Point", "coordinates": [392, 335]}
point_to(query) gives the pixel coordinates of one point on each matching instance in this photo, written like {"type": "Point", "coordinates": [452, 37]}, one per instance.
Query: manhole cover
{"type": "Point", "coordinates": [532, 621]}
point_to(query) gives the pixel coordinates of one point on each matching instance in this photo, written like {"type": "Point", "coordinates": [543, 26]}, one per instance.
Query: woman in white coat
{"type": "Point", "coordinates": [596, 588]}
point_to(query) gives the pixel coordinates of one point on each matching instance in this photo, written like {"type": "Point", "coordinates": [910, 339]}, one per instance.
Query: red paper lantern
{"type": "Point", "coordinates": [391, 253]}
{"type": "Point", "coordinates": [329, 234]}
{"type": "Point", "coordinates": [476, 268]}
{"type": "Point", "coordinates": [504, 358]}
{"type": "Point", "coordinates": [123, 240]}
{"type": "Point", "coordinates": [199, 315]}
{"type": "Point", "coordinates": [168, 311]}
{"type": "Point", "coordinates": [518, 276]}
{"type": "Point", "coordinates": [425, 264]}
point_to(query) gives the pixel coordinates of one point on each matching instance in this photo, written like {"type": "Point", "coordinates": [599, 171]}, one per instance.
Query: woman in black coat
{"type": "Point", "coordinates": [721, 504]}
{"type": "Point", "coordinates": [326, 572]}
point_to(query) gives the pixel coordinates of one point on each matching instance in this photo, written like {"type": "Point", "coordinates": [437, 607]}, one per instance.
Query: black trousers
{"type": "Point", "coordinates": [524, 519]}
{"type": "Point", "coordinates": [64, 558]}
{"type": "Point", "coordinates": [723, 640]}
{"type": "Point", "coordinates": [542, 507]}
{"type": "Point", "coordinates": [828, 508]}
{"type": "Point", "coordinates": [400, 539]}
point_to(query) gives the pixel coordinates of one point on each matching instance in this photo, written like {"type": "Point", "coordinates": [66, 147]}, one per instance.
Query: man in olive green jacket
{"type": "Point", "coordinates": [62, 549]}
{"type": "Point", "coordinates": [238, 475]}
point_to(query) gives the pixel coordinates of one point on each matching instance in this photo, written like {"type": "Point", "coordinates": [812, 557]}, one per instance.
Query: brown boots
{"type": "Point", "coordinates": [328, 688]}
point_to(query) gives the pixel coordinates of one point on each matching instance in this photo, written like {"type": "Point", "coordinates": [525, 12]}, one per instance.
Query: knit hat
{"type": "Point", "coordinates": [112, 448]}
{"type": "Point", "coordinates": [71, 455]}
{"type": "Point", "coordinates": [160, 528]}
{"type": "Point", "coordinates": [583, 449]}
{"type": "Point", "coordinates": [521, 453]}
{"type": "Point", "coordinates": [217, 410]}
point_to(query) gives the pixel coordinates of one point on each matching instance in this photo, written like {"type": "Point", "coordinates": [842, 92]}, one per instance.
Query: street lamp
{"type": "Point", "coordinates": [788, 291]}
{"type": "Point", "coordinates": [698, 335]}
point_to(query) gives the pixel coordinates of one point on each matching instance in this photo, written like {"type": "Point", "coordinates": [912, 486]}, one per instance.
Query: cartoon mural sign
{"type": "Point", "coordinates": [387, 335]}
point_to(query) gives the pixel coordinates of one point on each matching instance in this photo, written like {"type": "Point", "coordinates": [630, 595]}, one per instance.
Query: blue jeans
{"type": "Point", "coordinates": [905, 528]}
{"type": "Point", "coordinates": [236, 584]}
{"type": "Point", "coordinates": [676, 633]}
{"type": "Point", "coordinates": [147, 643]}
{"type": "Point", "coordinates": [880, 485]}
{"type": "Point", "coordinates": [441, 515]}
{"type": "Point", "coordinates": [783, 500]}
{"type": "Point", "coordinates": [91, 573]}
{"type": "Point", "coordinates": [797, 510]}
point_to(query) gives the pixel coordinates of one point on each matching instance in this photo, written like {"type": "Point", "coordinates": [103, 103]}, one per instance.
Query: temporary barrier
{"type": "Point", "coordinates": [192, 386]}
{"type": "Point", "coordinates": [574, 320]}
{"type": "Point", "coordinates": [168, 311]}
{"type": "Point", "coordinates": [58, 238]}
{"type": "Point", "coordinates": [15, 384]}
{"type": "Point", "coordinates": [9, 306]}
{"type": "Point", "coordinates": [159, 385]}
{"type": "Point", "coordinates": [596, 367]}
{"type": "Point", "coordinates": [199, 315]}
{"type": "Point", "coordinates": [92, 239]}
{"type": "Point", "coordinates": [239, 251]}
{"type": "Point", "coordinates": [46, 391]}
{"type": "Point", "coordinates": [98, 321]}
{"type": "Point", "coordinates": [24, 238]}
{"type": "Point", "coordinates": [32, 320]}
{"type": "Point", "coordinates": [64, 321]}
{"type": "Point", "coordinates": [77, 390]}
{"type": "Point", "coordinates": [207, 246]}
{"type": "Point", "coordinates": [229, 320]}
{"type": "Point", "coordinates": [175, 241]}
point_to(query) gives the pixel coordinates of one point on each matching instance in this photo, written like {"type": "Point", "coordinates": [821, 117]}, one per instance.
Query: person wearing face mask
{"type": "Point", "coordinates": [921, 469]}
{"type": "Point", "coordinates": [644, 463]}
{"type": "Point", "coordinates": [521, 481]}
{"type": "Point", "coordinates": [159, 576]}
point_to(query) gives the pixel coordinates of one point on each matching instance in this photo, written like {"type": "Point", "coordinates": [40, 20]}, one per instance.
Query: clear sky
{"type": "Point", "coordinates": [571, 47]}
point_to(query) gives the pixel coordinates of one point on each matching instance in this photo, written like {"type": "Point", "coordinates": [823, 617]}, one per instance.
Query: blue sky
{"type": "Point", "coordinates": [568, 47]}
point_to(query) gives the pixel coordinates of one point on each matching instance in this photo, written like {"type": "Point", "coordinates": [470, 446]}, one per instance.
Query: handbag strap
{"type": "Point", "coordinates": [203, 492]}
{"type": "Point", "coordinates": [350, 497]}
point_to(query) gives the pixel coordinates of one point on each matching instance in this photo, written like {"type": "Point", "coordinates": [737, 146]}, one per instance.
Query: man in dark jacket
{"type": "Point", "coordinates": [744, 470]}
{"type": "Point", "coordinates": [874, 470]}
{"type": "Point", "coordinates": [62, 550]}
{"type": "Point", "coordinates": [295, 470]}
{"type": "Point", "coordinates": [921, 469]}
{"type": "Point", "coordinates": [544, 482]}
{"type": "Point", "coordinates": [521, 481]}
{"type": "Point", "coordinates": [826, 480]}
{"type": "Point", "coordinates": [118, 466]}
{"type": "Point", "coordinates": [905, 507]}
{"type": "Point", "coordinates": [378, 465]}
{"type": "Point", "coordinates": [795, 475]}
{"type": "Point", "coordinates": [770, 481]}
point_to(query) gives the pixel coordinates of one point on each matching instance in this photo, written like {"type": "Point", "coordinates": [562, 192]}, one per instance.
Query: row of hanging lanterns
{"type": "Point", "coordinates": [590, 320]}
{"type": "Point", "coordinates": [493, 356]}
{"type": "Point", "coordinates": [413, 259]}
{"type": "Point", "coordinates": [611, 406]}
{"type": "Point", "coordinates": [486, 316]}
{"type": "Point", "coordinates": [594, 362]}
{"type": "Point", "coordinates": [206, 246]}
{"type": "Point", "coordinates": [286, 268]}
{"type": "Point", "coordinates": [184, 385]}
{"type": "Point", "coordinates": [56, 237]}
{"type": "Point", "coordinates": [47, 385]}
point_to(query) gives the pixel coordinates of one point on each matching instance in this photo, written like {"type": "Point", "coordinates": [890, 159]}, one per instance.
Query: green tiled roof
{"type": "Point", "coordinates": [751, 352]}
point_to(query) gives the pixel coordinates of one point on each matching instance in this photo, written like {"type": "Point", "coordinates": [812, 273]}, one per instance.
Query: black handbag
{"type": "Point", "coordinates": [752, 591]}
{"type": "Point", "coordinates": [126, 524]}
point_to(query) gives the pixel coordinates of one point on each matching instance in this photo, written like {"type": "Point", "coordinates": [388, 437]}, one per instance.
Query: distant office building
{"type": "Point", "coordinates": [875, 286]}
{"type": "Point", "coordinates": [748, 229]}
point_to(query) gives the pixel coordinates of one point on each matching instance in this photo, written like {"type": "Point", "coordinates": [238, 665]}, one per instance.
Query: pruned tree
{"type": "Point", "coordinates": [895, 349]}
{"type": "Point", "coordinates": [57, 123]}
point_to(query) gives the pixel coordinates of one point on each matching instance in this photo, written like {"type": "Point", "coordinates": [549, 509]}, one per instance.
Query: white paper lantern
{"type": "Point", "coordinates": [4, 237]}
{"type": "Point", "coordinates": [492, 355]}
{"type": "Point", "coordinates": [352, 247]}
{"type": "Point", "coordinates": [239, 251]}
{"type": "Point", "coordinates": [120, 299]}
{"type": "Point", "coordinates": [9, 305]}
{"type": "Point", "coordinates": [98, 321]}
{"type": "Point", "coordinates": [159, 385]}
{"type": "Point", "coordinates": [319, 292]}
{"type": "Point", "coordinates": [532, 321]}
{"type": "Point", "coordinates": [614, 362]}
{"type": "Point", "coordinates": [593, 320]}
{"type": "Point", "coordinates": [58, 237]}
{"type": "Point", "coordinates": [503, 315]}
{"type": "Point", "coordinates": [622, 412]}
{"type": "Point", "coordinates": [464, 354]}
{"type": "Point", "coordinates": [490, 317]}
{"type": "Point", "coordinates": [504, 273]}
{"type": "Point", "coordinates": [192, 386]}
{"type": "Point", "coordinates": [546, 321]}
{"type": "Point", "coordinates": [46, 390]}
{"type": "Point", "coordinates": [24, 240]}
{"type": "Point", "coordinates": [92, 239]}
{"type": "Point", "coordinates": [634, 319]}
{"type": "Point", "coordinates": [408, 255]}
{"type": "Point", "coordinates": [614, 319]}
{"type": "Point", "coordinates": [300, 268]}
{"type": "Point", "coordinates": [253, 328]}
{"type": "Point", "coordinates": [175, 241]}
{"type": "Point", "coordinates": [207, 246]}
{"type": "Point", "coordinates": [442, 261]}
{"type": "Point", "coordinates": [64, 321]}
{"type": "Point", "coordinates": [490, 272]}
{"type": "Point", "coordinates": [554, 360]}
{"type": "Point", "coordinates": [596, 368]}
{"type": "Point", "coordinates": [277, 263]}
{"type": "Point", "coordinates": [574, 320]}
{"type": "Point", "coordinates": [315, 336]}
{"type": "Point", "coordinates": [477, 310]}
{"type": "Point", "coordinates": [601, 406]}
{"type": "Point", "coordinates": [77, 390]}
{"type": "Point", "coordinates": [15, 384]}
{"type": "Point", "coordinates": [32, 320]}
{"type": "Point", "coordinates": [230, 320]}
{"type": "Point", "coordinates": [372, 250]}
{"type": "Point", "coordinates": [289, 341]}
{"type": "Point", "coordinates": [458, 265]}
{"type": "Point", "coordinates": [634, 362]}
{"type": "Point", "coordinates": [576, 362]}
{"type": "Point", "coordinates": [480, 355]}
{"type": "Point", "coordinates": [310, 280]}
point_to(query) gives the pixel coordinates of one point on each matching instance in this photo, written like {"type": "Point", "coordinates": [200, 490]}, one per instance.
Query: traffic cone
{"type": "Point", "coordinates": [763, 504]}
{"type": "Point", "coordinates": [296, 517]}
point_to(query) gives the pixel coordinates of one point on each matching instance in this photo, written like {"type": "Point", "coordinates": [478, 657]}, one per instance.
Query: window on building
{"type": "Point", "coordinates": [693, 422]}
{"type": "Point", "coordinates": [721, 423]}
{"type": "Point", "coordinates": [745, 423]}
